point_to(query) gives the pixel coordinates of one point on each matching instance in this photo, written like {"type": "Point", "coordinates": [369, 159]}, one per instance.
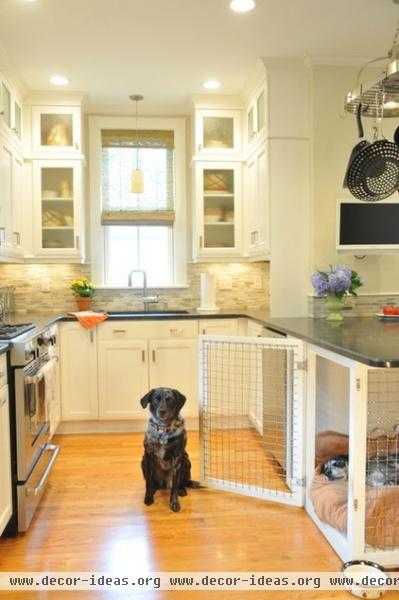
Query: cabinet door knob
{"type": "Point", "coordinates": [143, 355]}
{"type": "Point", "coordinates": [153, 356]}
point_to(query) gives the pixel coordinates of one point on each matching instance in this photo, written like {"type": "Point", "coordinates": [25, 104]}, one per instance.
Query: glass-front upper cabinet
{"type": "Point", "coordinates": [5, 104]}
{"type": "Point", "coordinates": [56, 130]}
{"type": "Point", "coordinates": [256, 116]}
{"type": "Point", "coordinates": [217, 132]}
{"type": "Point", "coordinates": [57, 188]}
{"type": "Point", "coordinates": [10, 113]}
{"type": "Point", "coordinates": [219, 208]}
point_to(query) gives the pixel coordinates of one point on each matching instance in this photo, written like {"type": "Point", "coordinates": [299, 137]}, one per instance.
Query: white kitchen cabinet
{"type": "Point", "coordinates": [256, 117]}
{"type": "Point", "coordinates": [254, 329]}
{"type": "Point", "coordinates": [134, 357]}
{"type": "Point", "coordinates": [122, 378]}
{"type": "Point", "coordinates": [12, 195]}
{"type": "Point", "coordinates": [127, 358]}
{"type": "Point", "coordinates": [57, 210]}
{"type": "Point", "coordinates": [10, 113]}
{"type": "Point", "coordinates": [5, 457]}
{"type": "Point", "coordinates": [78, 351]}
{"type": "Point", "coordinates": [218, 327]}
{"type": "Point", "coordinates": [56, 131]}
{"type": "Point", "coordinates": [218, 210]}
{"type": "Point", "coordinates": [217, 132]}
{"type": "Point", "coordinates": [173, 363]}
{"type": "Point", "coordinates": [256, 203]}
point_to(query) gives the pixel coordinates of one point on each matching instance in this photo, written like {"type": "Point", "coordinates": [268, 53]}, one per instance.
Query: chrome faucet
{"type": "Point", "coordinates": [146, 299]}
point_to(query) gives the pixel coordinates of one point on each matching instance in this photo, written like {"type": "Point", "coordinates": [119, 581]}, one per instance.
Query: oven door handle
{"type": "Point", "coordinates": [34, 379]}
{"type": "Point", "coordinates": [43, 479]}
{"type": "Point", "coordinates": [38, 376]}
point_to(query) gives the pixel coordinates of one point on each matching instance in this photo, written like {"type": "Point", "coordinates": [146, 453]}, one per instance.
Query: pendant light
{"type": "Point", "coordinates": [137, 177]}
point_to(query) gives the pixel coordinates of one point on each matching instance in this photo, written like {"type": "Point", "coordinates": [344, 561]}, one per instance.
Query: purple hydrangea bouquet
{"type": "Point", "coordinates": [334, 285]}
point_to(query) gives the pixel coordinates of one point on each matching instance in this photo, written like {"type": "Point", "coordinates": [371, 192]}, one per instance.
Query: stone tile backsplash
{"type": "Point", "coordinates": [45, 288]}
{"type": "Point", "coordinates": [360, 306]}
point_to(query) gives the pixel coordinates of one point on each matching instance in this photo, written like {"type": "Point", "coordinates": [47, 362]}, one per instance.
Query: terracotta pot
{"type": "Point", "coordinates": [83, 302]}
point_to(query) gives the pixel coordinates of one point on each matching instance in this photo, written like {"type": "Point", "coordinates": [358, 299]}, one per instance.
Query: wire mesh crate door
{"type": "Point", "coordinates": [382, 464]}
{"type": "Point", "coordinates": [251, 416]}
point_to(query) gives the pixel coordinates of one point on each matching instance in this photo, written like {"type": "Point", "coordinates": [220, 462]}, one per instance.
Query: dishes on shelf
{"type": "Point", "coordinates": [49, 194]}
{"type": "Point", "coordinates": [213, 214]}
{"type": "Point", "coordinates": [216, 182]}
{"type": "Point", "coordinates": [55, 218]}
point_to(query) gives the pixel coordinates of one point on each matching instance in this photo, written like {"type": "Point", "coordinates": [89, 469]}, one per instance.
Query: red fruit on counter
{"type": "Point", "coordinates": [389, 310]}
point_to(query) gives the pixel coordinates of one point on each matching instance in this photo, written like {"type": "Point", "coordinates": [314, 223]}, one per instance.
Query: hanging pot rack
{"type": "Point", "coordinates": [388, 84]}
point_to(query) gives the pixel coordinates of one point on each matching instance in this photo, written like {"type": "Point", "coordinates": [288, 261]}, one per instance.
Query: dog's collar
{"type": "Point", "coordinates": [175, 424]}
{"type": "Point", "coordinates": [167, 432]}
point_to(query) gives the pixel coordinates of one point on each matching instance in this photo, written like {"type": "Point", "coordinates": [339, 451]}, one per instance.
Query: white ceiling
{"type": "Point", "coordinates": [165, 49]}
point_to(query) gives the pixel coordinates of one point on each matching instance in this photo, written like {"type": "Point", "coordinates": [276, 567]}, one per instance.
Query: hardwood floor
{"type": "Point", "coordinates": [92, 518]}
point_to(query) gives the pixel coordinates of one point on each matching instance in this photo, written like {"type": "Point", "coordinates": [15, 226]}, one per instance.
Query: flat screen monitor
{"type": "Point", "coordinates": [368, 226]}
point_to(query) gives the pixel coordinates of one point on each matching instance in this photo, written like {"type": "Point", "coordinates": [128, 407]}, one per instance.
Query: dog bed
{"type": "Point", "coordinates": [330, 498]}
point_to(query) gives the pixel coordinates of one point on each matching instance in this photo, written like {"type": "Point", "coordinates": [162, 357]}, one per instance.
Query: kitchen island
{"type": "Point", "coordinates": [368, 340]}
{"type": "Point", "coordinates": [352, 410]}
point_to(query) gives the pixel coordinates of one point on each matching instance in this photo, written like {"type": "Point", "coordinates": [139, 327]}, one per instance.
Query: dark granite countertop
{"type": "Point", "coordinates": [4, 346]}
{"type": "Point", "coordinates": [42, 320]}
{"type": "Point", "coordinates": [368, 340]}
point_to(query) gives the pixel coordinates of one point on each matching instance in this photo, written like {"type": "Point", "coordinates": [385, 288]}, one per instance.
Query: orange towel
{"type": "Point", "coordinates": [88, 318]}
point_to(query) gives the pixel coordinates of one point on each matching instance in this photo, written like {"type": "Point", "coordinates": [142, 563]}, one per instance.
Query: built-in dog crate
{"type": "Point", "coordinates": [353, 410]}
{"type": "Point", "coordinates": [255, 439]}
{"type": "Point", "coordinates": [252, 417]}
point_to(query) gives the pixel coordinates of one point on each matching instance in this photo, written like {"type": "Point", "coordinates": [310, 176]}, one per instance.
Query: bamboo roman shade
{"type": "Point", "coordinates": [153, 152]}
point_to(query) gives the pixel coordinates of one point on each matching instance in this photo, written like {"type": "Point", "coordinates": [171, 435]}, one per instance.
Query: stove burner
{"type": "Point", "coordinates": [9, 331]}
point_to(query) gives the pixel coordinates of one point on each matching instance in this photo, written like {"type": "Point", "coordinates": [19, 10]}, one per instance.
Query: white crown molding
{"type": "Point", "coordinates": [11, 72]}
{"type": "Point", "coordinates": [336, 61]}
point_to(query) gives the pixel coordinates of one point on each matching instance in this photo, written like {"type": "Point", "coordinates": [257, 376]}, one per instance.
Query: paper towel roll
{"type": "Point", "coordinates": [208, 292]}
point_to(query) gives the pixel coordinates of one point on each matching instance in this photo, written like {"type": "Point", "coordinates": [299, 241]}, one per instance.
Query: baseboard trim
{"type": "Point", "coordinates": [131, 426]}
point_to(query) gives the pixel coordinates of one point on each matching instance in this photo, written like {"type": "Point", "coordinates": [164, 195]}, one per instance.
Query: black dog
{"type": "Point", "coordinates": [165, 462]}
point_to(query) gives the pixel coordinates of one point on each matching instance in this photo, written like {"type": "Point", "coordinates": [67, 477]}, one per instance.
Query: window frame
{"type": "Point", "coordinates": [178, 247]}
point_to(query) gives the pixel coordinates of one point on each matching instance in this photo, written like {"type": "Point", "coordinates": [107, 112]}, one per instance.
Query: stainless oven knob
{"type": "Point", "coordinates": [40, 340]}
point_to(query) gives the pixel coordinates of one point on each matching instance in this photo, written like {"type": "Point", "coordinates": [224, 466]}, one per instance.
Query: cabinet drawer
{"type": "Point", "coordinates": [3, 369]}
{"type": "Point", "coordinates": [114, 330]}
{"type": "Point", "coordinates": [218, 327]}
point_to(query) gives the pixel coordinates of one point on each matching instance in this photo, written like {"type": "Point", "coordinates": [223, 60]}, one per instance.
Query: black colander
{"type": "Point", "coordinates": [374, 173]}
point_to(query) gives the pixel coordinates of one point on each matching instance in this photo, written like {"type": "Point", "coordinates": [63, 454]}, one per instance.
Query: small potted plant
{"type": "Point", "coordinates": [83, 291]}
{"type": "Point", "coordinates": [334, 285]}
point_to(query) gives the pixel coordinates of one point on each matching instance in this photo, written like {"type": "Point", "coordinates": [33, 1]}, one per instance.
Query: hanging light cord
{"type": "Point", "coordinates": [137, 136]}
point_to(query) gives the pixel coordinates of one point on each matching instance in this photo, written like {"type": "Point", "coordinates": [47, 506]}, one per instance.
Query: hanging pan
{"type": "Point", "coordinates": [373, 174]}
{"type": "Point", "coordinates": [359, 146]}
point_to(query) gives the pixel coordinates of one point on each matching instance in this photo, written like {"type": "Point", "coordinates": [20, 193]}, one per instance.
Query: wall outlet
{"type": "Point", "coordinates": [45, 285]}
{"type": "Point", "coordinates": [257, 282]}
{"type": "Point", "coordinates": [225, 282]}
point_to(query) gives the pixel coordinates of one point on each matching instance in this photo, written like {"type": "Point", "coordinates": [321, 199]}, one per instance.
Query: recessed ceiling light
{"type": "Point", "coordinates": [59, 80]}
{"type": "Point", "coordinates": [242, 5]}
{"type": "Point", "coordinates": [211, 85]}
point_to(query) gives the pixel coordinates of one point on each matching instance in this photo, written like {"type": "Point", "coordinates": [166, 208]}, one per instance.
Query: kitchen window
{"type": "Point", "coordinates": [138, 231]}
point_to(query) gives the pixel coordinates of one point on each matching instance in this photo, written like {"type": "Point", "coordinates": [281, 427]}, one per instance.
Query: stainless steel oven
{"type": "Point", "coordinates": [35, 454]}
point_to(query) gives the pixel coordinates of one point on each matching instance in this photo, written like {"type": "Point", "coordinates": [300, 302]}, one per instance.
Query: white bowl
{"type": "Point", "coordinates": [358, 569]}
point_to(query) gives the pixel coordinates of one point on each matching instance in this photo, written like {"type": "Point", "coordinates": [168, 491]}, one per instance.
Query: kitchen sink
{"type": "Point", "coordinates": [147, 313]}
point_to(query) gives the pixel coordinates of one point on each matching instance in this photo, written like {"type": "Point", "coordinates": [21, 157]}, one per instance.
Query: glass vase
{"type": "Point", "coordinates": [334, 306]}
